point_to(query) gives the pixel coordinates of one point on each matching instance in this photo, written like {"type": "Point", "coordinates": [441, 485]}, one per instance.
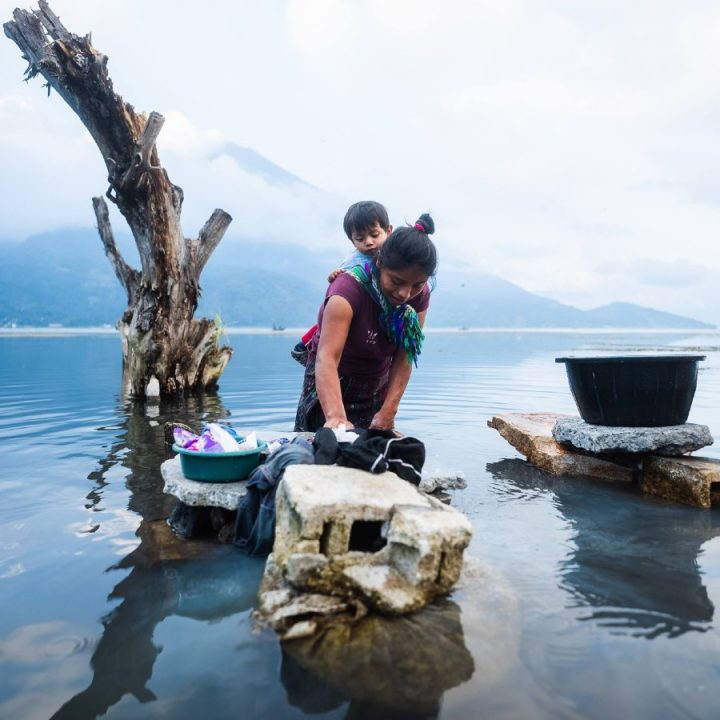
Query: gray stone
{"type": "Point", "coordinates": [603, 439]}
{"type": "Point", "coordinates": [293, 613]}
{"type": "Point", "coordinates": [191, 492]}
{"type": "Point", "coordinates": [693, 481]}
{"type": "Point", "coordinates": [531, 435]}
{"type": "Point", "coordinates": [345, 532]}
{"type": "Point", "coordinates": [431, 483]}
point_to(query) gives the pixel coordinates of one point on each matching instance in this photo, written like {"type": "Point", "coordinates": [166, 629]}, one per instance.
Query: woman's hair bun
{"type": "Point", "coordinates": [426, 223]}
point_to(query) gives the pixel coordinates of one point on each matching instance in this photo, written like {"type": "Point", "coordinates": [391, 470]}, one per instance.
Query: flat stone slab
{"type": "Point", "coordinates": [532, 435]}
{"type": "Point", "coordinates": [669, 440]}
{"type": "Point", "coordinates": [203, 494]}
{"type": "Point", "coordinates": [692, 481]}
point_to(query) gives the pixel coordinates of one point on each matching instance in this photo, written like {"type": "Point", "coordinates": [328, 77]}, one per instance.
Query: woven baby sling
{"type": "Point", "coordinates": [401, 324]}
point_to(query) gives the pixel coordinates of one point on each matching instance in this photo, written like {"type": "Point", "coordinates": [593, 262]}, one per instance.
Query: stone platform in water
{"type": "Point", "coordinates": [200, 494]}
{"type": "Point", "coordinates": [531, 435]}
{"type": "Point", "coordinates": [669, 440]}
{"type": "Point", "coordinates": [689, 480]}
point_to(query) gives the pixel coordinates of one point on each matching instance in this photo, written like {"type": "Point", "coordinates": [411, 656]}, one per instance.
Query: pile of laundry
{"type": "Point", "coordinates": [214, 438]}
{"type": "Point", "coordinates": [372, 450]}
{"type": "Point", "coordinates": [253, 525]}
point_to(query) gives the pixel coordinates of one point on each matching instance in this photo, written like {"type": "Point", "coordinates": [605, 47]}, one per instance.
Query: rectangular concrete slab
{"type": "Point", "coordinates": [531, 435]}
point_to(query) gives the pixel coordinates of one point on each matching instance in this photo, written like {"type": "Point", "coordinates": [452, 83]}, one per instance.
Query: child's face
{"type": "Point", "coordinates": [371, 240]}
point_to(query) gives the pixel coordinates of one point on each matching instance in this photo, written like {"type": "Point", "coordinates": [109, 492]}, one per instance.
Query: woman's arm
{"type": "Point", "coordinates": [337, 316]}
{"type": "Point", "coordinates": [400, 371]}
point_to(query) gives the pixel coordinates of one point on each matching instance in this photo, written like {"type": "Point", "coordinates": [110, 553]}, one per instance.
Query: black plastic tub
{"type": "Point", "coordinates": [633, 390]}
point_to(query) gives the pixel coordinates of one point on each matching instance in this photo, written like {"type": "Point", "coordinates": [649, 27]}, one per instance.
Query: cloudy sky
{"type": "Point", "coordinates": [570, 147]}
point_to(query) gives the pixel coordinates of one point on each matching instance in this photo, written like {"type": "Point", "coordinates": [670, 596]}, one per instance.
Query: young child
{"type": "Point", "coordinates": [367, 226]}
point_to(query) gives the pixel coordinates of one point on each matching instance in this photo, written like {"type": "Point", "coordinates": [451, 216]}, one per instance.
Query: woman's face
{"type": "Point", "coordinates": [401, 286]}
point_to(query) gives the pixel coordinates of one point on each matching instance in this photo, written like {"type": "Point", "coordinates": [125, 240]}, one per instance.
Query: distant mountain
{"type": "Point", "coordinates": [64, 277]}
{"type": "Point", "coordinates": [255, 164]}
{"type": "Point", "coordinates": [484, 300]}
{"type": "Point", "coordinates": [618, 314]}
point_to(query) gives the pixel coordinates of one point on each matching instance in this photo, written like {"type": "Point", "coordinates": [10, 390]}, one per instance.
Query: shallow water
{"type": "Point", "coordinates": [583, 599]}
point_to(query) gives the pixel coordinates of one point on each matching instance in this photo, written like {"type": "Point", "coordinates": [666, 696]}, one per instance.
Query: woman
{"type": "Point", "coordinates": [369, 335]}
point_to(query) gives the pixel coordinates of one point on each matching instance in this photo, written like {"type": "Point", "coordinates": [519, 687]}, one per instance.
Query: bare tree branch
{"type": "Point", "coordinates": [141, 161]}
{"type": "Point", "coordinates": [51, 22]}
{"type": "Point", "coordinates": [129, 277]}
{"type": "Point", "coordinates": [210, 235]}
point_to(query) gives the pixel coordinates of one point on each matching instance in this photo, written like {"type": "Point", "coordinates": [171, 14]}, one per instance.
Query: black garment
{"type": "Point", "coordinates": [326, 447]}
{"type": "Point", "coordinates": [255, 520]}
{"type": "Point", "coordinates": [375, 451]}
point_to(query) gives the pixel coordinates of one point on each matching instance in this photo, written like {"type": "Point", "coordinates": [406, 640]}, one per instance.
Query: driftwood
{"type": "Point", "coordinates": [162, 343]}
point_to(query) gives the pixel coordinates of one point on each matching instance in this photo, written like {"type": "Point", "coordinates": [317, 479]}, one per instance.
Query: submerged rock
{"type": "Point", "coordinates": [387, 664]}
{"type": "Point", "coordinates": [400, 667]}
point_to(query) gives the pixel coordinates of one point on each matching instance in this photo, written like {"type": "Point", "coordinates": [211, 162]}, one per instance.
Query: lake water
{"type": "Point", "coordinates": [589, 600]}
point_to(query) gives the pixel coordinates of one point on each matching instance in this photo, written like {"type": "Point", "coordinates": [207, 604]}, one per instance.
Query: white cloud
{"type": "Point", "coordinates": [181, 137]}
{"type": "Point", "coordinates": [546, 138]}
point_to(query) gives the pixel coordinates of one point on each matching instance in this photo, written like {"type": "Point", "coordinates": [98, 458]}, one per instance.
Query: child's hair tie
{"type": "Point", "coordinates": [420, 227]}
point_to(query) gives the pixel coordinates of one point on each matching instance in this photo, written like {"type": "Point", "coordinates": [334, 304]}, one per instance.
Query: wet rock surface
{"type": "Point", "coordinates": [532, 435]}
{"type": "Point", "coordinates": [602, 439]}
{"type": "Point", "coordinates": [693, 481]}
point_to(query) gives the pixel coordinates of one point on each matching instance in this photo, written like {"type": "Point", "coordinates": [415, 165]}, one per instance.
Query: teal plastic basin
{"type": "Point", "coordinates": [219, 467]}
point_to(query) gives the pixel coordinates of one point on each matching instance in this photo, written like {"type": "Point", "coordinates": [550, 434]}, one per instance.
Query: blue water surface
{"type": "Point", "coordinates": [590, 600]}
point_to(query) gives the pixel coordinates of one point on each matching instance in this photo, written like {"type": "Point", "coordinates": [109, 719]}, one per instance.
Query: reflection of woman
{"type": "Point", "coordinates": [369, 334]}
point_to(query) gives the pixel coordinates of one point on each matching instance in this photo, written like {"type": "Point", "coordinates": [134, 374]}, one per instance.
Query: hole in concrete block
{"type": "Point", "coordinates": [325, 538]}
{"type": "Point", "coordinates": [715, 494]}
{"type": "Point", "coordinates": [366, 536]}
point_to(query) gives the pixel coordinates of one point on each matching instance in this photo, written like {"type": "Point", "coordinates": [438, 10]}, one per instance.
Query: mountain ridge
{"type": "Point", "coordinates": [63, 277]}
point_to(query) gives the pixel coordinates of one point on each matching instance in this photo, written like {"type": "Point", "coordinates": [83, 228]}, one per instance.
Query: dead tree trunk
{"type": "Point", "coordinates": [161, 340]}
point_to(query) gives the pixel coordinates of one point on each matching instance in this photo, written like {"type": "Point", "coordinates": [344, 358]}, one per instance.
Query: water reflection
{"type": "Point", "coordinates": [385, 668]}
{"type": "Point", "coordinates": [388, 667]}
{"type": "Point", "coordinates": [167, 576]}
{"type": "Point", "coordinates": [635, 560]}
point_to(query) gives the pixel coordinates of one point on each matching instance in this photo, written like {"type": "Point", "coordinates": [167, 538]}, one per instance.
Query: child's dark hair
{"type": "Point", "coordinates": [361, 216]}
{"type": "Point", "coordinates": [411, 246]}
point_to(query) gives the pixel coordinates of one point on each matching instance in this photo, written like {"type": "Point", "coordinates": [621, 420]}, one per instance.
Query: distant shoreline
{"type": "Point", "coordinates": [295, 332]}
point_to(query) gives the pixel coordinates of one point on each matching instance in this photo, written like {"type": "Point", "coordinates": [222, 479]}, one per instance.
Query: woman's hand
{"type": "Point", "coordinates": [383, 420]}
{"type": "Point", "coordinates": [336, 422]}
